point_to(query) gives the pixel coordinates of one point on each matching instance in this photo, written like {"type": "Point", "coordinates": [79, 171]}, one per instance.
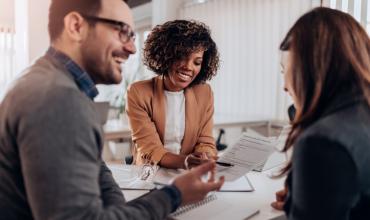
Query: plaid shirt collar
{"type": "Point", "coordinates": [82, 78]}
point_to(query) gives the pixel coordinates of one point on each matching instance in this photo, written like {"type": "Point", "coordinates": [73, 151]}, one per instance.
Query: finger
{"type": "Point", "coordinates": [214, 186]}
{"type": "Point", "coordinates": [208, 155]}
{"type": "Point", "coordinates": [197, 161]}
{"type": "Point", "coordinates": [278, 205]}
{"type": "Point", "coordinates": [212, 176]}
{"type": "Point", "coordinates": [194, 161]}
{"type": "Point", "coordinates": [204, 160]}
{"type": "Point", "coordinates": [281, 192]}
{"type": "Point", "coordinates": [197, 154]}
{"type": "Point", "coordinates": [280, 195]}
{"type": "Point", "coordinates": [204, 168]}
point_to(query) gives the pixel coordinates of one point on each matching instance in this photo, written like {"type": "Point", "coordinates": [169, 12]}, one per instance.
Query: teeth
{"type": "Point", "coordinates": [184, 76]}
{"type": "Point", "coordinates": [119, 59]}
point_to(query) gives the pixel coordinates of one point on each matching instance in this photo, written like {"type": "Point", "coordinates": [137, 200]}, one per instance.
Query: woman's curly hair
{"type": "Point", "coordinates": [174, 41]}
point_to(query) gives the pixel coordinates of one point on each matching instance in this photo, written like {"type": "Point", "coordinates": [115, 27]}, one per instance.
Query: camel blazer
{"type": "Point", "coordinates": [145, 108]}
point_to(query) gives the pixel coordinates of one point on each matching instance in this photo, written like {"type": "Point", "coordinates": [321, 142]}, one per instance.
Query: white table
{"type": "Point", "coordinates": [116, 129]}
{"type": "Point", "coordinates": [264, 194]}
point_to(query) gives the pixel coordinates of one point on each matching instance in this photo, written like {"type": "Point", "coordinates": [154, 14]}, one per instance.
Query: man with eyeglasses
{"type": "Point", "coordinates": [50, 136]}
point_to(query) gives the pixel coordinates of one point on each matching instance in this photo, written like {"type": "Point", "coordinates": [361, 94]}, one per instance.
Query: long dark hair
{"type": "Point", "coordinates": [330, 54]}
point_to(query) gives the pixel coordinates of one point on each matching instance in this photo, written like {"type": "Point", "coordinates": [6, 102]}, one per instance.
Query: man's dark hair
{"type": "Point", "coordinates": [60, 8]}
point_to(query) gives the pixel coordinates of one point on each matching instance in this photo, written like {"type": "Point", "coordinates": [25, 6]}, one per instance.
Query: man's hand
{"type": "Point", "coordinates": [191, 186]}
{"type": "Point", "coordinates": [280, 199]}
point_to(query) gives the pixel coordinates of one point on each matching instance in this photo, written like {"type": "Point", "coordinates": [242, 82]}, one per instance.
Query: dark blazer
{"type": "Point", "coordinates": [330, 176]}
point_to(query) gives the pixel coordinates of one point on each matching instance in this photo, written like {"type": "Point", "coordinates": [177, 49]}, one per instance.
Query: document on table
{"type": "Point", "coordinates": [247, 153]}
{"type": "Point", "coordinates": [277, 157]}
{"type": "Point", "coordinates": [166, 176]}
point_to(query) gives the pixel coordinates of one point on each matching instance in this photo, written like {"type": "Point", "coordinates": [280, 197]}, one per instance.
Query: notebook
{"type": "Point", "coordinates": [213, 208]}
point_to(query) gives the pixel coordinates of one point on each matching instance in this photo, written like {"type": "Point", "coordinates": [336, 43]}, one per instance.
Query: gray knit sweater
{"type": "Point", "coordinates": [50, 155]}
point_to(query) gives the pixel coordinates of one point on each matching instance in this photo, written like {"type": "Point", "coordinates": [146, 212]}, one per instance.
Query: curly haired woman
{"type": "Point", "coordinates": [171, 115]}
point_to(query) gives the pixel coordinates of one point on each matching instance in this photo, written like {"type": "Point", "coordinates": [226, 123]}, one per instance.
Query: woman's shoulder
{"type": "Point", "coordinates": [336, 133]}
{"type": "Point", "coordinates": [203, 93]}
{"type": "Point", "coordinates": [142, 83]}
{"type": "Point", "coordinates": [144, 86]}
{"type": "Point", "coordinates": [202, 88]}
{"type": "Point", "coordinates": [320, 132]}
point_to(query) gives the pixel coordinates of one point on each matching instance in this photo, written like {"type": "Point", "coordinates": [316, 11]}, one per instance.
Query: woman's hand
{"type": "Point", "coordinates": [196, 159]}
{"type": "Point", "coordinates": [280, 199]}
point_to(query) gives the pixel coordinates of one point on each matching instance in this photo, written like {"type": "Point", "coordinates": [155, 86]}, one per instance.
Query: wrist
{"type": "Point", "coordinates": [175, 195]}
{"type": "Point", "coordinates": [186, 162]}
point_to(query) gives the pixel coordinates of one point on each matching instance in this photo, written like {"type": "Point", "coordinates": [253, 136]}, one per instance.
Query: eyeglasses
{"type": "Point", "coordinates": [125, 32]}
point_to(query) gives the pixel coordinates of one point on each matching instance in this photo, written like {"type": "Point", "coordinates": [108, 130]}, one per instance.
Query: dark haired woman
{"type": "Point", "coordinates": [326, 62]}
{"type": "Point", "coordinates": [171, 115]}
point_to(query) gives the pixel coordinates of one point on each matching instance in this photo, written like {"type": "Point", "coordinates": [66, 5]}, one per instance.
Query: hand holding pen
{"type": "Point", "coordinates": [198, 158]}
{"type": "Point", "coordinates": [224, 164]}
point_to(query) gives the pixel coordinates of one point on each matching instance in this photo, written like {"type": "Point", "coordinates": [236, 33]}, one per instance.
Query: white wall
{"type": "Point", "coordinates": [248, 34]}
{"type": "Point", "coordinates": [7, 13]}
{"type": "Point", "coordinates": [21, 37]}
{"type": "Point", "coordinates": [143, 15]}
{"type": "Point", "coordinates": [165, 10]}
{"type": "Point", "coordinates": [38, 37]}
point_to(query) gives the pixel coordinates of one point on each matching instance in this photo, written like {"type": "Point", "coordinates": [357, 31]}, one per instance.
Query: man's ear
{"type": "Point", "coordinates": [75, 26]}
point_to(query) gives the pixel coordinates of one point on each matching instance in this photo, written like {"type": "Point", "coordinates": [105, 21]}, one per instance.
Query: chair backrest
{"type": "Point", "coordinates": [102, 108]}
{"type": "Point", "coordinates": [220, 146]}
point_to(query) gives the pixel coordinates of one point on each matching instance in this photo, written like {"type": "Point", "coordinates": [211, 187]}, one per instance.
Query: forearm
{"type": "Point", "coordinates": [208, 148]}
{"type": "Point", "coordinates": [110, 192]}
{"type": "Point", "coordinates": [172, 161]}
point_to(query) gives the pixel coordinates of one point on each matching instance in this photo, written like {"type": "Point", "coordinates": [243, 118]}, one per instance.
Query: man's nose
{"type": "Point", "coordinates": [130, 47]}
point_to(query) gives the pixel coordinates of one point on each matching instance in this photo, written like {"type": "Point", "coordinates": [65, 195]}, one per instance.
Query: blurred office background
{"type": "Point", "coordinates": [247, 32]}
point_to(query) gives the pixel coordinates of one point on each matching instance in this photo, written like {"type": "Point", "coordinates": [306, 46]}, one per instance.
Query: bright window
{"type": "Point", "coordinates": [359, 9]}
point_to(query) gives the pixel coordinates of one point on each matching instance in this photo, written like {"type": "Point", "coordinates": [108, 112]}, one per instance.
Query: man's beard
{"type": "Point", "coordinates": [101, 72]}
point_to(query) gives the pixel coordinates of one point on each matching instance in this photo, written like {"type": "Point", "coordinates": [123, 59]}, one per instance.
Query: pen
{"type": "Point", "coordinates": [224, 164]}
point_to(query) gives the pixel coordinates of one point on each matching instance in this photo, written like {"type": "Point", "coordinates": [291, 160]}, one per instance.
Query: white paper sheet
{"type": "Point", "coordinates": [166, 176]}
{"type": "Point", "coordinates": [247, 153]}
